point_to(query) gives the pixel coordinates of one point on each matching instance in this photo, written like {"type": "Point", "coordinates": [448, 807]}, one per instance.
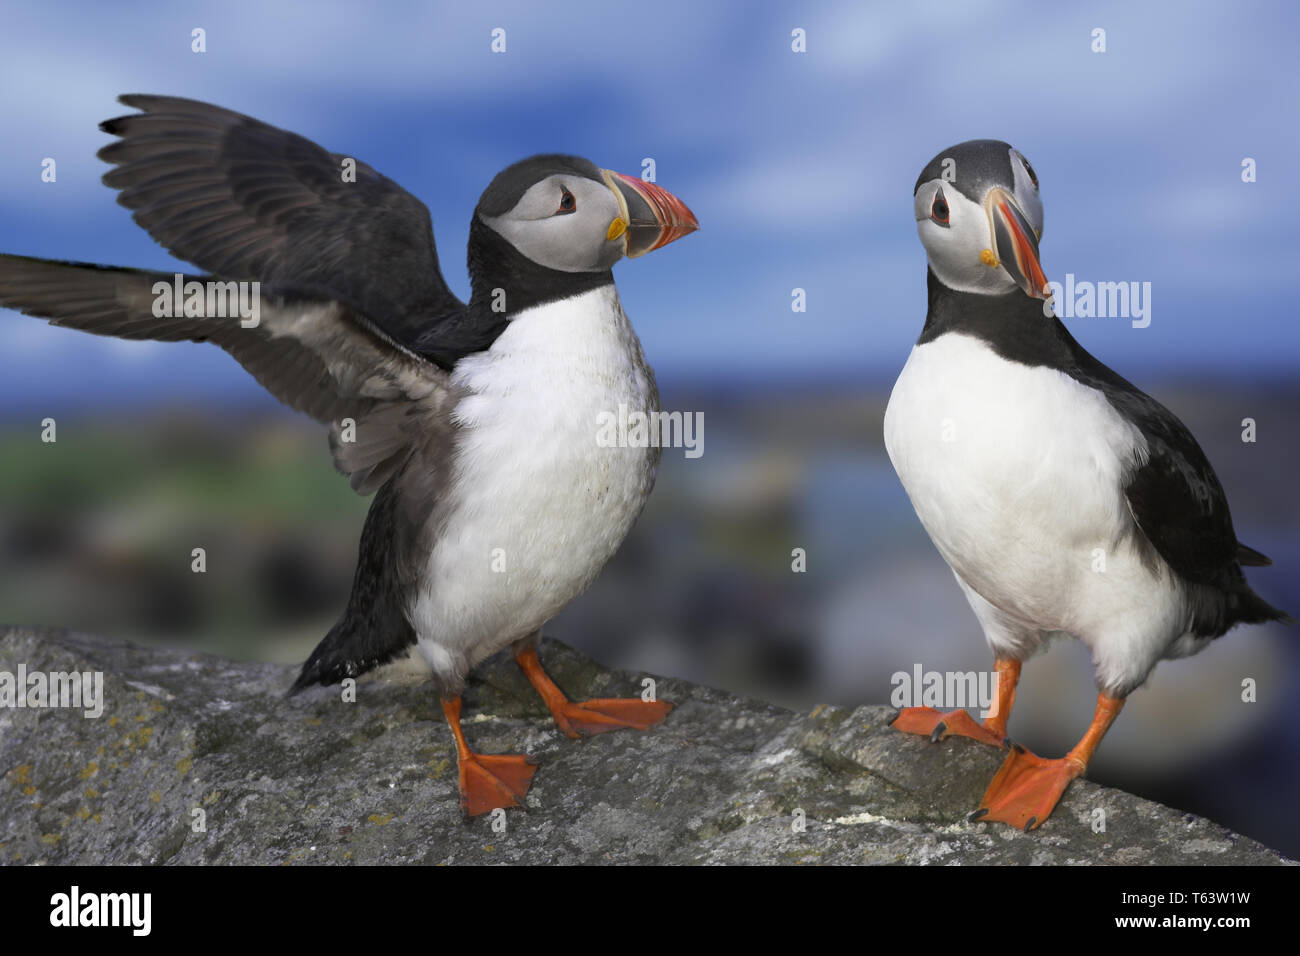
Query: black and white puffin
{"type": "Point", "coordinates": [475, 424]}
{"type": "Point", "coordinates": [1064, 499]}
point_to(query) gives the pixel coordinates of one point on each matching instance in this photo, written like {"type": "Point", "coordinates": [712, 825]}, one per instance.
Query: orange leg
{"type": "Point", "coordinates": [1027, 788]}
{"type": "Point", "coordinates": [590, 716]}
{"type": "Point", "coordinates": [487, 781]}
{"type": "Point", "coordinates": [993, 729]}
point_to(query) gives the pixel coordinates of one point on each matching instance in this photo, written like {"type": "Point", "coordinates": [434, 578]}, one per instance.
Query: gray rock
{"type": "Point", "coordinates": [315, 780]}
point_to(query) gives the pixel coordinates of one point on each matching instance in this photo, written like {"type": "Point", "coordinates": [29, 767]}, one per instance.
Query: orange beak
{"type": "Point", "coordinates": [1016, 243]}
{"type": "Point", "coordinates": [655, 217]}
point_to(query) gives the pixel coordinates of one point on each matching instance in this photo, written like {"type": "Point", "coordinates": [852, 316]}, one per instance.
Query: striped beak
{"type": "Point", "coordinates": [1016, 243]}
{"type": "Point", "coordinates": [652, 215]}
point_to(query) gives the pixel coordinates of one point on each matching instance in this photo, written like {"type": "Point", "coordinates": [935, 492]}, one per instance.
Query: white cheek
{"type": "Point", "coordinates": [955, 253]}
{"type": "Point", "coordinates": [557, 242]}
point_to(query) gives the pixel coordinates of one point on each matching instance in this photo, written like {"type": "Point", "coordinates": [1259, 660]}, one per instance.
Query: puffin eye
{"type": "Point", "coordinates": [1030, 170]}
{"type": "Point", "coordinates": [567, 203]}
{"type": "Point", "coordinates": [939, 208]}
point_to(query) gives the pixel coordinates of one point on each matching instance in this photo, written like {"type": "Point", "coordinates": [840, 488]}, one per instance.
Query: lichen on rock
{"type": "Point", "coordinates": [197, 759]}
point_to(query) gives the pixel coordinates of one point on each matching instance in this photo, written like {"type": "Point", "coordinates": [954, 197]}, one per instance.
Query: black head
{"type": "Point", "coordinates": [567, 214]}
{"type": "Point", "coordinates": [552, 226]}
{"type": "Point", "coordinates": [980, 218]}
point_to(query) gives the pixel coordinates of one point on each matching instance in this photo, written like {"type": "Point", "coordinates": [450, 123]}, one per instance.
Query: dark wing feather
{"type": "Point", "coordinates": [1181, 509]}
{"type": "Point", "coordinates": [1176, 497]}
{"type": "Point", "coordinates": [314, 356]}
{"type": "Point", "coordinates": [245, 200]}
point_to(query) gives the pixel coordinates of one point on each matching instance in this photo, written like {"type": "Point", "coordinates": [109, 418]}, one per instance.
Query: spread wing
{"type": "Point", "coordinates": [345, 259]}
{"type": "Point", "coordinates": [315, 356]}
{"type": "Point", "coordinates": [245, 200]}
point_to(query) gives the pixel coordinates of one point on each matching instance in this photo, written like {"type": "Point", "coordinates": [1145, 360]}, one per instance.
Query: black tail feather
{"type": "Point", "coordinates": [1253, 609]}
{"type": "Point", "coordinates": [374, 629]}
{"type": "Point", "coordinates": [340, 655]}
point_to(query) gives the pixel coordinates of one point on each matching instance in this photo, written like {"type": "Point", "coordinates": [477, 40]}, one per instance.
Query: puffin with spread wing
{"type": "Point", "coordinates": [475, 425]}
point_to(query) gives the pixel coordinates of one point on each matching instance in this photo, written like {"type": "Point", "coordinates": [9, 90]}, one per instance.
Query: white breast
{"type": "Point", "coordinates": [538, 506]}
{"type": "Point", "coordinates": [1017, 474]}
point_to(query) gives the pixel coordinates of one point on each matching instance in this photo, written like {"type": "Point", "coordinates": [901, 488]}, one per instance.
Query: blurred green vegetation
{"type": "Point", "coordinates": [98, 527]}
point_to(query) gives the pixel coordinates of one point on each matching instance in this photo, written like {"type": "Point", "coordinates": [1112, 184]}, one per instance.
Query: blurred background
{"type": "Point", "coordinates": [800, 168]}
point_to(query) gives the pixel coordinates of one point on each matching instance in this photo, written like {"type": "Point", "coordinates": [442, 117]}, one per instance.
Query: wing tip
{"type": "Point", "coordinates": [136, 101]}
{"type": "Point", "coordinates": [113, 125]}
{"type": "Point", "coordinates": [1250, 558]}
{"type": "Point", "coordinates": [148, 103]}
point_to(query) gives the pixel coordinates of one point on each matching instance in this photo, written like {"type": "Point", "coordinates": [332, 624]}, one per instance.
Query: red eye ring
{"type": "Point", "coordinates": [939, 208]}
{"type": "Point", "coordinates": [567, 203]}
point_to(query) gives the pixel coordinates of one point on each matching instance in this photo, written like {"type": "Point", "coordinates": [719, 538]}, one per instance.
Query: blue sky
{"type": "Point", "coordinates": [799, 166]}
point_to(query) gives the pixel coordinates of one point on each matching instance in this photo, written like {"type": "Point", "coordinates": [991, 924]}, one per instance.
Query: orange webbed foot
{"type": "Point", "coordinates": [588, 717]}
{"type": "Point", "coordinates": [492, 781]}
{"type": "Point", "coordinates": [584, 718]}
{"type": "Point", "coordinates": [937, 725]}
{"type": "Point", "coordinates": [1026, 789]}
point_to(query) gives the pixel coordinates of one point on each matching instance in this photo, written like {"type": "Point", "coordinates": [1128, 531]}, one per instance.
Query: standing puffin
{"type": "Point", "coordinates": [1064, 499]}
{"type": "Point", "coordinates": [475, 424]}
